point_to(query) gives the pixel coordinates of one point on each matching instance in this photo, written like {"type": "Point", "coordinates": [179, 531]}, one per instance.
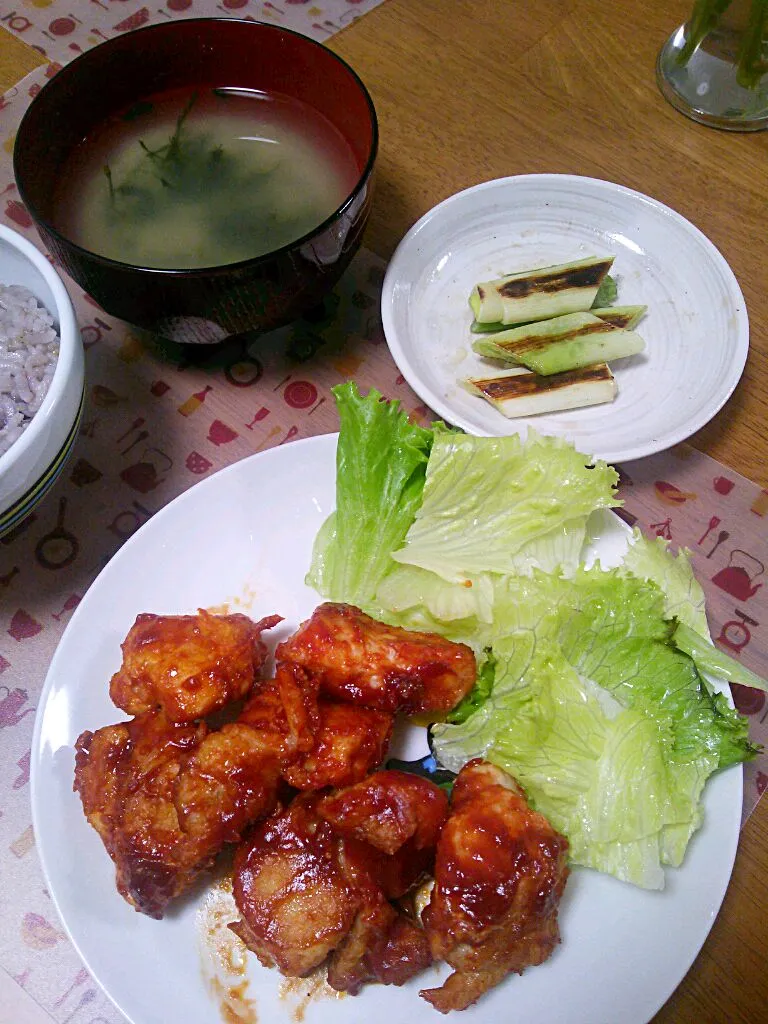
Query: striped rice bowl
{"type": "Point", "coordinates": [29, 348]}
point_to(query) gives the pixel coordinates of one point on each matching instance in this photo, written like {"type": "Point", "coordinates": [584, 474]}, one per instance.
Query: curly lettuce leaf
{"type": "Point", "coordinates": [606, 724]}
{"type": "Point", "coordinates": [381, 462]}
{"type": "Point", "coordinates": [673, 574]}
{"type": "Point", "coordinates": [684, 601]}
{"type": "Point", "coordinates": [488, 500]}
{"type": "Point", "coordinates": [712, 660]}
{"type": "Point", "coordinates": [590, 690]}
{"type": "Point", "coordinates": [594, 770]}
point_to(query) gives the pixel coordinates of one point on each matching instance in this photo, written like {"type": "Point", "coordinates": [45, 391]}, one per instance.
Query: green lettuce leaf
{"type": "Point", "coordinates": [711, 659]}
{"type": "Point", "coordinates": [410, 588]}
{"type": "Point", "coordinates": [590, 689]}
{"type": "Point", "coordinates": [684, 601]}
{"type": "Point", "coordinates": [595, 770]}
{"type": "Point", "coordinates": [673, 574]}
{"type": "Point", "coordinates": [381, 462]}
{"type": "Point", "coordinates": [488, 500]}
{"type": "Point", "coordinates": [479, 694]}
{"type": "Point", "coordinates": [605, 723]}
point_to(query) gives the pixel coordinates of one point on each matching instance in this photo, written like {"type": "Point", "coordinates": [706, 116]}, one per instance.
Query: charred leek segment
{"type": "Point", "coordinates": [625, 317]}
{"type": "Point", "coordinates": [519, 392]}
{"type": "Point", "coordinates": [563, 343]}
{"type": "Point", "coordinates": [539, 294]}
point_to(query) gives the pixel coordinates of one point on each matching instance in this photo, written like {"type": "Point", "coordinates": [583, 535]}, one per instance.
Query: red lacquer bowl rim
{"type": "Point", "coordinates": [223, 268]}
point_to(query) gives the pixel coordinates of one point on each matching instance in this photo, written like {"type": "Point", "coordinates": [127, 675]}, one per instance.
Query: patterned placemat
{"type": "Point", "coordinates": [157, 421]}
{"type": "Point", "coordinates": [720, 517]}
{"type": "Point", "coordinates": [61, 29]}
{"type": "Point", "coordinates": [153, 426]}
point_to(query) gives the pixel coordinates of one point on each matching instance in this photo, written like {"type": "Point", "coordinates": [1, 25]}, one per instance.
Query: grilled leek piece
{"type": "Point", "coordinates": [626, 317]}
{"type": "Point", "coordinates": [518, 392]}
{"type": "Point", "coordinates": [540, 294]}
{"type": "Point", "coordinates": [563, 343]}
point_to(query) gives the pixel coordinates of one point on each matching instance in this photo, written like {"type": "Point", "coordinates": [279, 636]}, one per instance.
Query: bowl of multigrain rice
{"type": "Point", "coordinates": [41, 377]}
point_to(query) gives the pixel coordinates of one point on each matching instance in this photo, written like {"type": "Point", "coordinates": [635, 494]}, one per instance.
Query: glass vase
{"type": "Point", "coordinates": [714, 68]}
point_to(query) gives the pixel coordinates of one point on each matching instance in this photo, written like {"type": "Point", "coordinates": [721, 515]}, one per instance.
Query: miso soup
{"type": "Point", "coordinates": [202, 178]}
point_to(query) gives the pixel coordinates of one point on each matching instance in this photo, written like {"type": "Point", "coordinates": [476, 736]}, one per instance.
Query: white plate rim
{"type": "Point", "coordinates": [506, 426]}
{"type": "Point", "coordinates": [732, 779]}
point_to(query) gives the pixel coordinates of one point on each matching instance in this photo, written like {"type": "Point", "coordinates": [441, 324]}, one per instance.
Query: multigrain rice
{"type": "Point", "coordinates": [29, 348]}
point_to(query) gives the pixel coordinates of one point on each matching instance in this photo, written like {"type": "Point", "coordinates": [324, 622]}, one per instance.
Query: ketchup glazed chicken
{"type": "Point", "coordinates": [332, 849]}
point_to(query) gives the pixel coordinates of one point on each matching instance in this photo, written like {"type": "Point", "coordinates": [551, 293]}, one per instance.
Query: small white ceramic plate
{"type": "Point", "coordinates": [696, 328]}
{"type": "Point", "coordinates": [244, 537]}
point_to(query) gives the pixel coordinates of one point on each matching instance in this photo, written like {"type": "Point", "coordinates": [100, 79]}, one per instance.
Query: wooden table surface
{"type": "Point", "coordinates": [472, 90]}
{"type": "Point", "coordinates": [477, 89]}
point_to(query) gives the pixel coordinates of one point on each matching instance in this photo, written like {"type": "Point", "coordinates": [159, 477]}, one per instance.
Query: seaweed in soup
{"type": "Point", "coordinates": [206, 179]}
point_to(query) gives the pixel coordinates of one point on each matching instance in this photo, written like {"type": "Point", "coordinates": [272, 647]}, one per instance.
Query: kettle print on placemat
{"type": "Point", "coordinates": [738, 577]}
{"type": "Point", "coordinates": [148, 472]}
{"type": "Point", "coordinates": [11, 704]}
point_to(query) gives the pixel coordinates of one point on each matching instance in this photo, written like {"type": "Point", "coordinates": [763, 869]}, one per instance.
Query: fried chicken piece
{"type": "Point", "coordinates": [189, 665]}
{"type": "Point", "coordinates": [348, 744]}
{"type": "Point", "coordinates": [306, 890]}
{"type": "Point", "coordinates": [403, 953]}
{"type": "Point", "coordinates": [357, 659]}
{"type": "Point", "coordinates": [322, 743]}
{"type": "Point", "coordinates": [126, 775]}
{"type": "Point", "coordinates": [294, 900]}
{"type": "Point", "coordinates": [302, 896]}
{"type": "Point", "coordinates": [396, 819]}
{"type": "Point", "coordinates": [387, 809]}
{"type": "Point", "coordinates": [348, 967]}
{"type": "Point", "coordinates": [229, 781]}
{"type": "Point", "coordinates": [500, 871]}
{"type": "Point", "coordinates": [383, 946]}
{"type": "Point", "coordinates": [398, 814]}
{"type": "Point", "coordinates": [284, 711]}
{"type": "Point", "coordinates": [165, 797]}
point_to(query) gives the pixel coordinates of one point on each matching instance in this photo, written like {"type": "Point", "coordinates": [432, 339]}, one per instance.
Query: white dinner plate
{"type": "Point", "coordinates": [696, 329]}
{"type": "Point", "coordinates": [243, 538]}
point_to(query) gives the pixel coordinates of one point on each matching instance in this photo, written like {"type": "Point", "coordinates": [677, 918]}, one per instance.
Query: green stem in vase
{"type": "Point", "coordinates": [750, 65]}
{"type": "Point", "coordinates": [704, 17]}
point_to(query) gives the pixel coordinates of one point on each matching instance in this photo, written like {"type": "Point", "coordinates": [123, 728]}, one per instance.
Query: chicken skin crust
{"type": "Point", "coordinates": [308, 892]}
{"type": "Point", "coordinates": [387, 809]}
{"type": "Point", "coordinates": [290, 889]}
{"type": "Point", "coordinates": [394, 814]}
{"type": "Point", "coordinates": [373, 665]}
{"type": "Point", "coordinates": [166, 797]}
{"type": "Point", "coordinates": [348, 744]}
{"type": "Point", "coordinates": [189, 665]}
{"type": "Point", "coordinates": [500, 870]}
{"type": "Point", "coordinates": [284, 712]}
{"type": "Point", "coordinates": [320, 742]}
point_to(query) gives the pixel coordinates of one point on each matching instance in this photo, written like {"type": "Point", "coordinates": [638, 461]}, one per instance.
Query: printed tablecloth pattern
{"type": "Point", "coordinates": [61, 29]}
{"type": "Point", "coordinates": [157, 420]}
{"type": "Point", "coordinates": [720, 517]}
{"type": "Point", "coordinates": [132, 458]}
